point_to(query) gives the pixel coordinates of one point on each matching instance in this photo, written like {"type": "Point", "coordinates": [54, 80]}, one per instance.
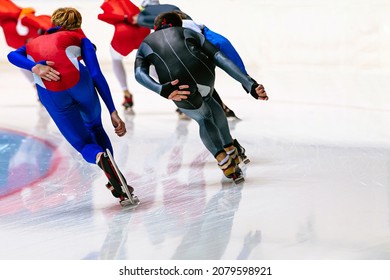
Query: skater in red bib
{"type": "Point", "coordinates": [69, 90]}
{"type": "Point", "coordinates": [186, 73]}
{"type": "Point", "coordinates": [127, 37]}
{"type": "Point", "coordinates": [21, 25]}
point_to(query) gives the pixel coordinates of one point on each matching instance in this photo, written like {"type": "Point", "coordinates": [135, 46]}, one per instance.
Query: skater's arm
{"type": "Point", "coordinates": [178, 92]}
{"type": "Point", "coordinates": [113, 18]}
{"type": "Point", "coordinates": [89, 56]}
{"type": "Point", "coordinates": [141, 71]}
{"type": "Point", "coordinates": [171, 90]}
{"type": "Point", "coordinates": [41, 23]}
{"type": "Point", "coordinates": [46, 72]}
{"type": "Point", "coordinates": [43, 68]}
{"type": "Point", "coordinates": [223, 62]}
{"type": "Point", "coordinates": [19, 58]}
{"type": "Point", "coordinates": [147, 16]}
{"type": "Point", "coordinates": [145, 20]}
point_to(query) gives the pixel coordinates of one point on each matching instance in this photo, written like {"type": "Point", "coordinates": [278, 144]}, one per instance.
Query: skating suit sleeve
{"type": "Point", "coordinates": [115, 11]}
{"type": "Point", "coordinates": [127, 37]}
{"type": "Point", "coordinates": [100, 82]}
{"type": "Point", "coordinates": [111, 18]}
{"type": "Point", "coordinates": [223, 62]}
{"type": "Point", "coordinates": [141, 69]}
{"type": "Point", "coordinates": [19, 58]}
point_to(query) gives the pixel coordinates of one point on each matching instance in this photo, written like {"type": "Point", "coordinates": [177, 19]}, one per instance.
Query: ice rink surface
{"type": "Point", "coordinates": [317, 186]}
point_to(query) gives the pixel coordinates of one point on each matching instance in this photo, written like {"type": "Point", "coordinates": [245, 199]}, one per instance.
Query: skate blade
{"type": "Point", "coordinates": [184, 118]}
{"type": "Point", "coordinates": [239, 180]}
{"type": "Point", "coordinates": [130, 203]}
{"type": "Point", "coordinates": [129, 111]}
{"type": "Point", "coordinates": [233, 118]}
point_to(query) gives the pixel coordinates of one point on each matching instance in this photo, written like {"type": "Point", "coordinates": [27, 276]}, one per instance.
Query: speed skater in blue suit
{"type": "Point", "coordinates": [70, 90]}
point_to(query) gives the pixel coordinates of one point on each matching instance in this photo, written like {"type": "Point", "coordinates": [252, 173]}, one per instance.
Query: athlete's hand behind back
{"type": "Point", "coordinates": [178, 94]}
{"type": "Point", "coordinates": [46, 72]}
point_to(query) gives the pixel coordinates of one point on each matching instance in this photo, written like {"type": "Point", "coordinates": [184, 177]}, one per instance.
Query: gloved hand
{"type": "Point", "coordinates": [174, 91]}
{"type": "Point", "coordinates": [258, 91]}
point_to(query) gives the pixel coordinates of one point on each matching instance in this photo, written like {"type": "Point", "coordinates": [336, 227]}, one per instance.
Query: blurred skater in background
{"type": "Point", "coordinates": [126, 38]}
{"type": "Point", "coordinates": [20, 25]}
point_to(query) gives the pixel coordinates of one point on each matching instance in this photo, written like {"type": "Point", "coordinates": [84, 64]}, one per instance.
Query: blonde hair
{"type": "Point", "coordinates": [68, 18]}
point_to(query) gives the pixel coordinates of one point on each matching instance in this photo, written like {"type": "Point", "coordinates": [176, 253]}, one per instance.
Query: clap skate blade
{"type": "Point", "coordinates": [244, 159]}
{"type": "Point", "coordinates": [131, 200]}
{"type": "Point", "coordinates": [238, 176]}
{"type": "Point", "coordinates": [241, 152]}
{"type": "Point", "coordinates": [238, 179]}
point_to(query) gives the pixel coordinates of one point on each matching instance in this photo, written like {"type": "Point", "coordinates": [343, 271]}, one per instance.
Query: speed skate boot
{"type": "Point", "coordinates": [231, 170]}
{"type": "Point", "coordinates": [240, 152]}
{"type": "Point", "coordinates": [232, 152]}
{"type": "Point", "coordinates": [128, 103]}
{"type": "Point", "coordinates": [118, 189]}
{"type": "Point", "coordinates": [121, 195]}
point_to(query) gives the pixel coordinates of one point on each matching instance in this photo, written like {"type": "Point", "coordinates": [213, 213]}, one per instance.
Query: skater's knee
{"type": "Point", "coordinates": [90, 152]}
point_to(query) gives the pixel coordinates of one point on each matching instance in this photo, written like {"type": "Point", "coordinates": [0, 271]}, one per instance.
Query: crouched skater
{"type": "Point", "coordinates": [68, 90]}
{"type": "Point", "coordinates": [185, 64]}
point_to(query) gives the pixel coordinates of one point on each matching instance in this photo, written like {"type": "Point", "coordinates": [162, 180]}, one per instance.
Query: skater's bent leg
{"type": "Point", "coordinates": [228, 142]}
{"type": "Point", "coordinates": [120, 74]}
{"type": "Point", "coordinates": [100, 136]}
{"type": "Point", "coordinates": [90, 111]}
{"type": "Point", "coordinates": [75, 132]}
{"type": "Point", "coordinates": [70, 123]}
{"type": "Point", "coordinates": [220, 121]}
{"type": "Point", "coordinates": [212, 138]}
{"type": "Point", "coordinates": [228, 112]}
{"type": "Point", "coordinates": [118, 68]}
{"type": "Point", "coordinates": [208, 130]}
{"type": "Point", "coordinates": [113, 175]}
{"type": "Point", "coordinates": [217, 98]}
{"type": "Point", "coordinates": [72, 128]}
